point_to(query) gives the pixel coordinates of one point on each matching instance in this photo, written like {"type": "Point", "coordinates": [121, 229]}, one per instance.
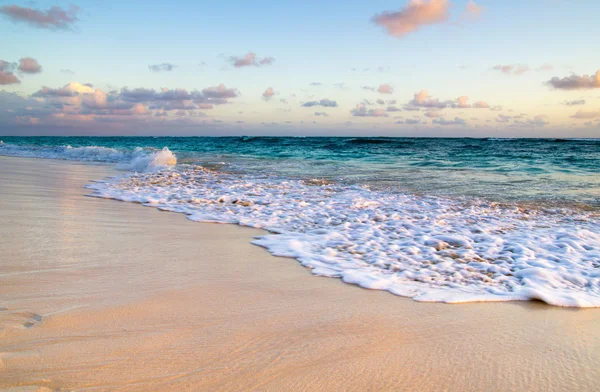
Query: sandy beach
{"type": "Point", "coordinates": [103, 295]}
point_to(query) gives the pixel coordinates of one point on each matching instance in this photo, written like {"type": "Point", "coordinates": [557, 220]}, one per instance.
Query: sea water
{"type": "Point", "coordinates": [448, 220]}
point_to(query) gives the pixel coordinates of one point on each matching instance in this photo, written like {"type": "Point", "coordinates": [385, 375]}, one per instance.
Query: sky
{"type": "Point", "coordinates": [483, 68]}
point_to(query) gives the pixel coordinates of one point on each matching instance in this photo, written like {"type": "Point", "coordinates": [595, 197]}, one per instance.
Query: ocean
{"type": "Point", "coordinates": [443, 220]}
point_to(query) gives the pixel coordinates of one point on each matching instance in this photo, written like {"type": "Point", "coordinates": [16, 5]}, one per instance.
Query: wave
{"type": "Point", "coordinates": [138, 159]}
{"type": "Point", "coordinates": [500, 139]}
{"type": "Point", "coordinates": [262, 139]}
{"type": "Point", "coordinates": [371, 141]}
{"type": "Point", "coordinates": [427, 248]}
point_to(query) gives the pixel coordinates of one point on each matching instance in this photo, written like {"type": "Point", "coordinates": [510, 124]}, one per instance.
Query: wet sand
{"type": "Point", "coordinates": [102, 295]}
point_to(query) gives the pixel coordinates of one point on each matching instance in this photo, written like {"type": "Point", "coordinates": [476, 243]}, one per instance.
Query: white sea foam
{"type": "Point", "coordinates": [139, 159]}
{"type": "Point", "coordinates": [430, 249]}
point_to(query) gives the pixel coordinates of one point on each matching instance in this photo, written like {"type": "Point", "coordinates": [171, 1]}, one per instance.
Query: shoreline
{"type": "Point", "coordinates": [103, 295]}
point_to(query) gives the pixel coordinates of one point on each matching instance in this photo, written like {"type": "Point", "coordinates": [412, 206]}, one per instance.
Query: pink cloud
{"type": "Point", "coordinates": [220, 91]}
{"type": "Point", "coordinates": [511, 69]}
{"type": "Point", "coordinates": [54, 17]}
{"type": "Point", "coordinates": [576, 82]}
{"type": "Point", "coordinates": [267, 61]}
{"type": "Point", "coordinates": [433, 114]}
{"type": "Point", "coordinates": [268, 94]}
{"type": "Point", "coordinates": [385, 89]}
{"type": "Point", "coordinates": [140, 109]}
{"type": "Point", "coordinates": [8, 78]}
{"type": "Point", "coordinates": [29, 65]}
{"type": "Point", "coordinates": [473, 10]}
{"type": "Point", "coordinates": [462, 102]}
{"type": "Point", "coordinates": [250, 60]}
{"type": "Point", "coordinates": [422, 99]}
{"type": "Point", "coordinates": [361, 111]}
{"type": "Point", "coordinates": [417, 14]}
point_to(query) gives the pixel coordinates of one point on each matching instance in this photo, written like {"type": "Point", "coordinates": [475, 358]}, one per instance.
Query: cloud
{"type": "Point", "coordinates": [26, 65]}
{"type": "Point", "coordinates": [7, 66]}
{"type": "Point", "coordinates": [138, 94]}
{"type": "Point", "coordinates": [54, 18]}
{"type": "Point", "coordinates": [97, 100]}
{"type": "Point", "coordinates": [422, 99]}
{"type": "Point", "coordinates": [163, 67]}
{"type": "Point", "coordinates": [444, 122]}
{"type": "Point", "coordinates": [82, 100]}
{"type": "Point", "coordinates": [412, 121]}
{"type": "Point", "coordinates": [250, 60]}
{"type": "Point", "coordinates": [268, 94]}
{"type": "Point", "coordinates": [6, 76]}
{"type": "Point", "coordinates": [481, 105]}
{"type": "Point", "coordinates": [503, 118]}
{"type": "Point", "coordinates": [539, 120]}
{"type": "Point", "coordinates": [220, 91]}
{"type": "Point", "coordinates": [14, 104]}
{"type": "Point", "coordinates": [574, 103]}
{"type": "Point", "coordinates": [67, 72]}
{"type": "Point", "coordinates": [461, 102]}
{"type": "Point", "coordinates": [245, 61]}
{"type": "Point", "coordinates": [361, 111]}
{"type": "Point", "coordinates": [70, 90]}
{"type": "Point", "coordinates": [385, 89]}
{"type": "Point", "coordinates": [267, 61]}
{"type": "Point", "coordinates": [29, 65]}
{"type": "Point", "coordinates": [324, 102]}
{"type": "Point", "coordinates": [545, 67]}
{"type": "Point", "coordinates": [321, 114]}
{"type": "Point", "coordinates": [315, 84]}
{"type": "Point", "coordinates": [586, 115]}
{"type": "Point", "coordinates": [433, 114]}
{"type": "Point", "coordinates": [416, 14]}
{"type": "Point", "coordinates": [514, 69]}
{"type": "Point", "coordinates": [473, 11]}
{"type": "Point", "coordinates": [393, 109]}
{"type": "Point", "coordinates": [575, 82]}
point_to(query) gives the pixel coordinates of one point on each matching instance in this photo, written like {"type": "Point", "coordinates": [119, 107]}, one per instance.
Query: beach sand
{"type": "Point", "coordinates": [103, 295]}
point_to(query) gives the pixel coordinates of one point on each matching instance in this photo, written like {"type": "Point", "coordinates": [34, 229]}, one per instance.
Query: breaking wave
{"type": "Point", "coordinates": [138, 159]}
{"type": "Point", "coordinates": [428, 248]}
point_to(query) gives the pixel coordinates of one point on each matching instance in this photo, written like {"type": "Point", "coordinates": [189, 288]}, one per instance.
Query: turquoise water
{"type": "Point", "coordinates": [539, 170]}
{"type": "Point", "coordinates": [450, 220]}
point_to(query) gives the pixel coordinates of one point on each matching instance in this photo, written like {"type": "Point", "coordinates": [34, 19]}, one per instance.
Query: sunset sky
{"type": "Point", "coordinates": [500, 68]}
